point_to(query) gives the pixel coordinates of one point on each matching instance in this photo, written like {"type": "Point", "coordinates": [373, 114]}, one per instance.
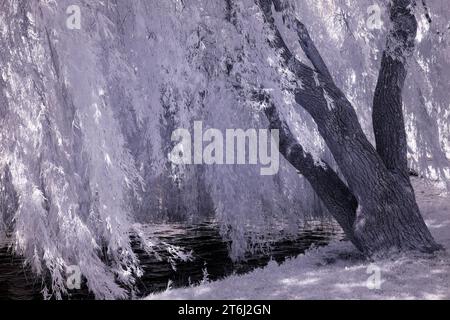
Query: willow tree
{"type": "Point", "coordinates": [372, 198]}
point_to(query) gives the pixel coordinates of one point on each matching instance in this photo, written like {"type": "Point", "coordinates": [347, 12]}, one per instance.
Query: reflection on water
{"type": "Point", "coordinates": [210, 253]}
{"type": "Point", "coordinates": [16, 281]}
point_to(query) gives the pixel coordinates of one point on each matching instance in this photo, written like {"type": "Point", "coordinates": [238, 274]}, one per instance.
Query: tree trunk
{"type": "Point", "coordinates": [387, 217]}
{"type": "Point", "coordinates": [387, 113]}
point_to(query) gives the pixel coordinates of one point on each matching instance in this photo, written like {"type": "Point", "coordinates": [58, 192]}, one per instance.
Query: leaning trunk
{"type": "Point", "coordinates": [387, 215]}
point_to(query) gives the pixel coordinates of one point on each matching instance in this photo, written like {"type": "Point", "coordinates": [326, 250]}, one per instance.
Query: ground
{"type": "Point", "coordinates": [337, 271]}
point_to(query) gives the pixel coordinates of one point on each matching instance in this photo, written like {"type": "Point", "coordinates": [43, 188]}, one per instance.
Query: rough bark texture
{"type": "Point", "coordinates": [335, 195]}
{"type": "Point", "coordinates": [387, 114]}
{"type": "Point", "coordinates": [387, 216]}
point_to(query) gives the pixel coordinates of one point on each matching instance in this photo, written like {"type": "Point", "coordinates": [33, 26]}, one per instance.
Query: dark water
{"type": "Point", "coordinates": [210, 253]}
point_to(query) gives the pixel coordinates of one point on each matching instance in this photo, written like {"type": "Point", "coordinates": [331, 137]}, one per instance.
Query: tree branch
{"type": "Point", "coordinates": [314, 82]}
{"type": "Point", "coordinates": [276, 41]}
{"type": "Point", "coordinates": [330, 188]}
{"type": "Point", "coordinates": [309, 48]}
{"type": "Point", "coordinates": [336, 119]}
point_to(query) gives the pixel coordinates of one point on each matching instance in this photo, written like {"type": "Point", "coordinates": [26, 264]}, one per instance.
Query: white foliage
{"type": "Point", "coordinates": [86, 117]}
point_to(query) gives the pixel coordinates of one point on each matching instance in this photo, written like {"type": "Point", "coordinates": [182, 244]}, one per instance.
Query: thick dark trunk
{"type": "Point", "coordinates": [387, 216]}
{"type": "Point", "coordinates": [391, 220]}
{"type": "Point", "coordinates": [387, 116]}
{"type": "Point", "coordinates": [387, 111]}
{"type": "Point", "coordinates": [390, 133]}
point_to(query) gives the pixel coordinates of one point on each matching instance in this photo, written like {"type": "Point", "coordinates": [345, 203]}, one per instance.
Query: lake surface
{"type": "Point", "coordinates": [209, 253]}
